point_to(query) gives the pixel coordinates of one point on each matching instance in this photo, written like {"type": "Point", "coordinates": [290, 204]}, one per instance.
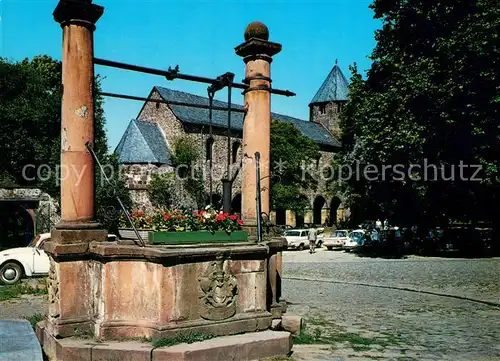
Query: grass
{"type": "Point", "coordinates": [34, 319]}
{"type": "Point", "coordinates": [323, 331]}
{"type": "Point", "coordinates": [306, 338]}
{"type": "Point", "coordinates": [15, 291]}
{"type": "Point", "coordinates": [183, 337]}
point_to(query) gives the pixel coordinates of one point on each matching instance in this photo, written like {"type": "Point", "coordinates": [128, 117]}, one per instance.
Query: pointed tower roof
{"type": "Point", "coordinates": [143, 142]}
{"type": "Point", "coordinates": [335, 87]}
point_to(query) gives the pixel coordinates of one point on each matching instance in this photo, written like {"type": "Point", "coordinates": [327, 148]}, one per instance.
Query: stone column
{"type": "Point", "coordinates": [77, 19]}
{"type": "Point", "coordinates": [257, 53]}
{"type": "Point", "coordinates": [71, 276]}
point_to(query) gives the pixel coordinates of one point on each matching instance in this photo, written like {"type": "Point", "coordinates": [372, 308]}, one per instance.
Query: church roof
{"type": "Point", "coordinates": [143, 142]}
{"type": "Point", "coordinates": [199, 116]}
{"type": "Point", "coordinates": [334, 88]}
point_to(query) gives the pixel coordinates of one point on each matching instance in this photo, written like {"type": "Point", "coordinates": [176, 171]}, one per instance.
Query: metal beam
{"type": "Point", "coordinates": [133, 97]}
{"type": "Point", "coordinates": [172, 74]}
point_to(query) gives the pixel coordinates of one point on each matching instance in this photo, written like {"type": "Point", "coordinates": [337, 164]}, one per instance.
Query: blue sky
{"type": "Point", "coordinates": [200, 37]}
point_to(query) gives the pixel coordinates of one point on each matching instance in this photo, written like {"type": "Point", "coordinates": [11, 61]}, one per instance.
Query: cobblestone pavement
{"type": "Point", "coordinates": [355, 317]}
{"type": "Point", "coordinates": [25, 306]}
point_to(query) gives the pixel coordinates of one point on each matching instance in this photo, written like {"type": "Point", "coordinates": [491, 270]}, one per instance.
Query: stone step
{"type": "Point", "coordinates": [244, 347]}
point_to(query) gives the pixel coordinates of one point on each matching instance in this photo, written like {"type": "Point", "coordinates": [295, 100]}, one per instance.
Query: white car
{"type": "Point", "coordinates": [296, 239]}
{"type": "Point", "coordinates": [337, 240]}
{"type": "Point", "coordinates": [27, 261]}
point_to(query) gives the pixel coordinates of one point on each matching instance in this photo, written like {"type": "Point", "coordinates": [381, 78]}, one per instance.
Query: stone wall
{"type": "Point", "coordinates": [173, 129]}
{"type": "Point", "coordinates": [328, 114]}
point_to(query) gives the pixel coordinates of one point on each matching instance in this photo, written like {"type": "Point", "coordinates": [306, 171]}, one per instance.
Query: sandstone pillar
{"type": "Point", "coordinates": [77, 19]}
{"type": "Point", "coordinates": [71, 276]}
{"type": "Point", "coordinates": [257, 53]}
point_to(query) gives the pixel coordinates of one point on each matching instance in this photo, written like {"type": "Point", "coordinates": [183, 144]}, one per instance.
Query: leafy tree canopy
{"type": "Point", "coordinates": [30, 129]}
{"type": "Point", "coordinates": [290, 152]}
{"type": "Point", "coordinates": [432, 96]}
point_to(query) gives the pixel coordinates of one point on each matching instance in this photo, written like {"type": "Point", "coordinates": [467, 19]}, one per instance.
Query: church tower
{"type": "Point", "coordinates": [328, 102]}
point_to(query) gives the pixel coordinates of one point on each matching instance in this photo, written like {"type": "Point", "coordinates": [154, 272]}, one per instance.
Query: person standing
{"type": "Point", "coordinates": [378, 225]}
{"type": "Point", "coordinates": [386, 224]}
{"type": "Point", "coordinates": [312, 236]}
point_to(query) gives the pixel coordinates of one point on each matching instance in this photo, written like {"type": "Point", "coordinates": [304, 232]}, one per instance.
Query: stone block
{"type": "Point", "coordinates": [131, 290]}
{"type": "Point", "coordinates": [292, 324]}
{"type": "Point", "coordinates": [40, 331]}
{"type": "Point", "coordinates": [236, 267]}
{"type": "Point", "coordinates": [70, 349]}
{"type": "Point", "coordinates": [246, 292]}
{"type": "Point", "coordinates": [74, 236]}
{"type": "Point", "coordinates": [276, 324]}
{"type": "Point", "coordinates": [244, 347]}
{"type": "Point", "coordinates": [122, 351]}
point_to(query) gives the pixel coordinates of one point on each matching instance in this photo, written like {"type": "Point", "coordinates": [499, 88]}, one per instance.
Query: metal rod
{"type": "Point", "coordinates": [191, 105]}
{"type": "Point", "coordinates": [211, 139]}
{"type": "Point", "coordinates": [257, 198]}
{"type": "Point", "coordinates": [229, 88]}
{"type": "Point", "coordinates": [174, 74]}
{"type": "Point", "coordinates": [89, 148]}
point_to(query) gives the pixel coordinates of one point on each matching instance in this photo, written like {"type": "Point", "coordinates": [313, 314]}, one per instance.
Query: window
{"type": "Point", "coordinates": [209, 148]}
{"type": "Point", "coordinates": [236, 147]}
{"type": "Point", "coordinates": [322, 109]}
{"type": "Point", "coordinates": [157, 105]}
{"type": "Point", "coordinates": [292, 233]}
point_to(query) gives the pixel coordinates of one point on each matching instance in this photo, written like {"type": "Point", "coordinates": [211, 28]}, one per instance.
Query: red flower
{"type": "Point", "coordinates": [240, 222]}
{"type": "Point", "coordinates": [141, 212]}
{"type": "Point", "coordinates": [196, 214]}
{"type": "Point", "coordinates": [233, 217]}
{"type": "Point", "coordinates": [166, 217]}
{"type": "Point", "coordinates": [220, 217]}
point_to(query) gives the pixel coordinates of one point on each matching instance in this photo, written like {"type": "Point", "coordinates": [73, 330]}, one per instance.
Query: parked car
{"type": "Point", "coordinates": [27, 261]}
{"type": "Point", "coordinates": [320, 237]}
{"type": "Point", "coordinates": [356, 240]}
{"type": "Point", "coordinates": [336, 240]}
{"type": "Point", "coordinates": [296, 238]}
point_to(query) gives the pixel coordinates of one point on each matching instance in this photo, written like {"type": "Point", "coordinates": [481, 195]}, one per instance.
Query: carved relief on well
{"type": "Point", "coordinates": [53, 289]}
{"type": "Point", "coordinates": [217, 292]}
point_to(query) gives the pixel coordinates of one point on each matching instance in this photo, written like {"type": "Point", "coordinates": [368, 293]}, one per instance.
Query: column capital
{"type": "Point", "coordinates": [257, 48]}
{"type": "Point", "coordinates": [81, 12]}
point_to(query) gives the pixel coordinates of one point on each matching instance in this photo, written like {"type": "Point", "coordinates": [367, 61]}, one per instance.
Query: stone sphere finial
{"type": "Point", "coordinates": [257, 30]}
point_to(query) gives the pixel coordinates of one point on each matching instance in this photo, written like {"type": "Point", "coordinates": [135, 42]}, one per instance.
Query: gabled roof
{"type": "Point", "coordinates": [199, 116]}
{"type": "Point", "coordinates": [334, 88]}
{"type": "Point", "coordinates": [143, 142]}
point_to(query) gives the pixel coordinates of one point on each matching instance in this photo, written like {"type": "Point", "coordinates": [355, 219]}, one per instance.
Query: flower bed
{"type": "Point", "coordinates": [182, 227]}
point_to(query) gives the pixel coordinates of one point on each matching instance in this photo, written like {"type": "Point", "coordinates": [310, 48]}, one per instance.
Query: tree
{"type": "Point", "coordinates": [160, 190]}
{"type": "Point", "coordinates": [108, 209]}
{"type": "Point", "coordinates": [431, 97]}
{"type": "Point", "coordinates": [30, 128]}
{"type": "Point", "coordinates": [290, 151]}
{"type": "Point", "coordinates": [185, 156]}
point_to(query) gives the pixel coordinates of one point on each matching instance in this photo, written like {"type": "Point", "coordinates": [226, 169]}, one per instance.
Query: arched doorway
{"type": "Point", "coordinates": [280, 217]}
{"type": "Point", "coordinates": [16, 225]}
{"type": "Point", "coordinates": [236, 203]}
{"type": "Point", "coordinates": [318, 205]}
{"type": "Point", "coordinates": [334, 206]}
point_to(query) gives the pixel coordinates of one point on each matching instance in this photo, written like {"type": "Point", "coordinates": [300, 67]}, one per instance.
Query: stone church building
{"type": "Point", "coordinates": [146, 145]}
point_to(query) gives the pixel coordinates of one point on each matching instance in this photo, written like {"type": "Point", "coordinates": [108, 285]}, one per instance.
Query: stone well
{"type": "Point", "coordinates": [112, 293]}
{"type": "Point", "coordinates": [117, 290]}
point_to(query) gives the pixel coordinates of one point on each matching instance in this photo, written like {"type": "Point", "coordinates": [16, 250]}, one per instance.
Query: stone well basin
{"type": "Point", "coordinates": [120, 290]}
